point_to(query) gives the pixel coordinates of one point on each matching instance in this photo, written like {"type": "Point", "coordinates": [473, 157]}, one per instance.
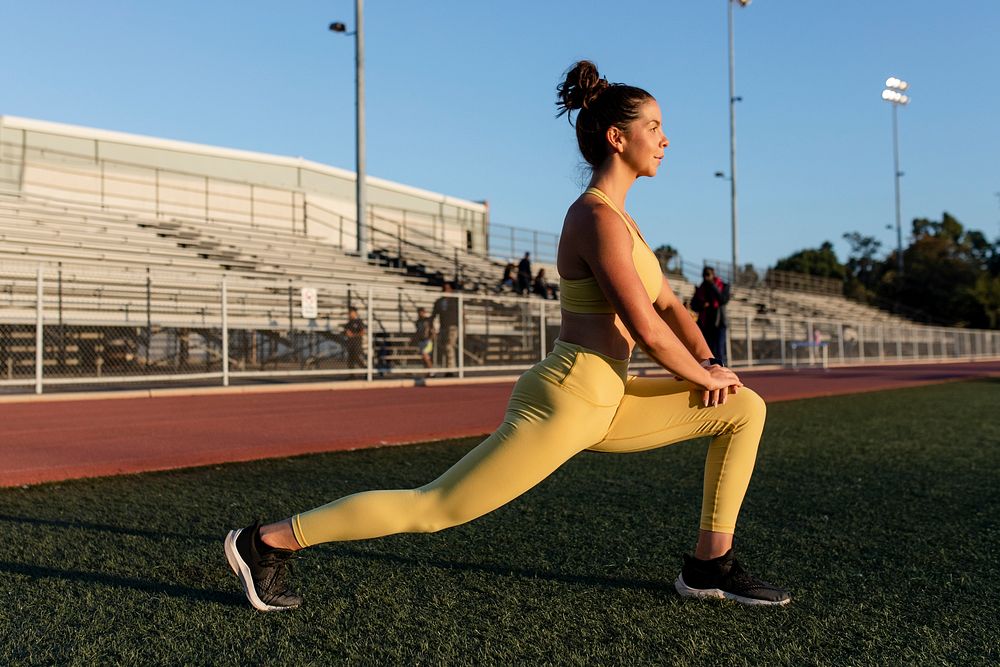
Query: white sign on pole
{"type": "Point", "coordinates": [309, 303]}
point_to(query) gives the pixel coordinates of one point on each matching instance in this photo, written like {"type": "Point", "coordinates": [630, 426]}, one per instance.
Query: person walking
{"type": "Point", "coordinates": [446, 312]}
{"type": "Point", "coordinates": [423, 336]}
{"type": "Point", "coordinates": [354, 337]}
{"type": "Point", "coordinates": [581, 396]}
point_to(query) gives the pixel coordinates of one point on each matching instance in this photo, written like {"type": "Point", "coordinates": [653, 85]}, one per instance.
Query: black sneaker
{"type": "Point", "coordinates": [261, 569]}
{"type": "Point", "coordinates": [724, 578]}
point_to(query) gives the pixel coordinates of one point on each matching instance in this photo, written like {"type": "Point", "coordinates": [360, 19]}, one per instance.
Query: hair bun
{"type": "Point", "coordinates": [583, 85]}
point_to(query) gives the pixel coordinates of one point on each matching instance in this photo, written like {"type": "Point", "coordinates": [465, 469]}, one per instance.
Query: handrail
{"type": "Point", "coordinates": [431, 251]}
{"type": "Point", "coordinates": [213, 207]}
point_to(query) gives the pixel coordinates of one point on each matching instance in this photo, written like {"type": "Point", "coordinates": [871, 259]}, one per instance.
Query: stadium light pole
{"type": "Point", "coordinates": [893, 94]}
{"type": "Point", "coordinates": [733, 99]}
{"type": "Point", "coordinates": [359, 81]}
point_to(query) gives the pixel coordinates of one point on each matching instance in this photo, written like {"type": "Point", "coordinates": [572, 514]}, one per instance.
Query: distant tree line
{"type": "Point", "coordinates": [950, 275]}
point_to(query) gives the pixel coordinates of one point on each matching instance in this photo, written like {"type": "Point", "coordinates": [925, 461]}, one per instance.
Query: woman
{"type": "Point", "coordinates": [613, 297]}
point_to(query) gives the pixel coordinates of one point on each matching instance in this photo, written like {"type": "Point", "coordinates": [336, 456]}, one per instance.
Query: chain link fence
{"type": "Point", "coordinates": [85, 327]}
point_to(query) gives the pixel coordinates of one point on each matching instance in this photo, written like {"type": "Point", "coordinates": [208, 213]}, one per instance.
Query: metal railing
{"type": "Point", "coordinates": [77, 326]}
{"type": "Point", "coordinates": [510, 243]}
{"type": "Point", "coordinates": [137, 188]}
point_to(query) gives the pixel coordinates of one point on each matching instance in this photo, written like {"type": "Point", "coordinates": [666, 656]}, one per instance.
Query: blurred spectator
{"type": "Point", "coordinates": [524, 274]}
{"type": "Point", "coordinates": [354, 339]}
{"type": "Point", "coordinates": [507, 282]}
{"type": "Point", "coordinates": [687, 307]}
{"type": "Point", "coordinates": [423, 337]}
{"type": "Point", "coordinates": [446, 312]}
{"type": "Point", "coordinates": [709, 301]}
{"type": "Point", "coordinates": [542, 286]}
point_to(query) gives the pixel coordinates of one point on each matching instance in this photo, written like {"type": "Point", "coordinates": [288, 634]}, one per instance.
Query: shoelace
{"type": "Point", "coordinates": [280, 567]}
{"type": "Point", "coordinates": [743, 579]}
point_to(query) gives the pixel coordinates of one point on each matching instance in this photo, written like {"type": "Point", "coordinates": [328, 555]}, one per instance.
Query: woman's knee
{"type": "Point", "coordinates": [433, 512]}
{"type": "Point", "coordinates": [750, 405]}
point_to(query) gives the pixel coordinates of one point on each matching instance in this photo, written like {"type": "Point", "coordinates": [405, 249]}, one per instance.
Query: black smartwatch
{"type": "Point", "coordinates": [713, 361]}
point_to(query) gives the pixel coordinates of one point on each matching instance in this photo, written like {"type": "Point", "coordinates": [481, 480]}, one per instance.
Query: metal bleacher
{"type": "Point", "coordinates": [123, 274]}
{"type": "Point", "coordinates": [106, 260]}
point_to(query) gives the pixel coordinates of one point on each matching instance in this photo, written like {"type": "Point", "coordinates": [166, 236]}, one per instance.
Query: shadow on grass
{"type": "Point", "coordinates": [144, 586]}
{"type": "Point", "coordinates": [499, 570]}
{"type": "Point", "coordinates": [592, 580]}
{"type": "Point", "coordinates": [105, 528]}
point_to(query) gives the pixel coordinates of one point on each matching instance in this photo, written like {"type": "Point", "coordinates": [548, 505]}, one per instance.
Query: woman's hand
{"type": "Point", "coordinates": [722, 382]}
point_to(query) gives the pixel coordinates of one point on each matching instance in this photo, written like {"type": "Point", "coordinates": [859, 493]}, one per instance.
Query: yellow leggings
{"type": "Point", "coordinates": [575, 399]}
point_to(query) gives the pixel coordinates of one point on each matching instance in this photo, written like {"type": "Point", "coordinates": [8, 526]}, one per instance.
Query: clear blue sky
{"type": "Point", "coordinates": [461, 100]}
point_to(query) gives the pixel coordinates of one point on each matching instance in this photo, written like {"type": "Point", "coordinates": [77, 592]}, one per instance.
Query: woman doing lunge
{"type": "Point", "coordinates": [580, 397]}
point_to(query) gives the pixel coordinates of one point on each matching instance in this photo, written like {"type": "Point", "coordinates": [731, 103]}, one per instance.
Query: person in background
{"type": "Point", "coordinates": [507, 281]}
{"type": "Point", "coordinates": [423, 337]}
{"type": "Point", "coordinates": [446, 312]}
{"type": "Point", "coordinates": [542, 287]}
{"type": "Point", "coordinates": [709, 301]}
{"type": "Point", "coordinates": [524, 274]}
{"type": "Point", "coordinates": [354, 339]}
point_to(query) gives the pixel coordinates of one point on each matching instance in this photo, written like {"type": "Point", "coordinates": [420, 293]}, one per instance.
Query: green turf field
{"type": "Point", "coordinates": [878, 511]}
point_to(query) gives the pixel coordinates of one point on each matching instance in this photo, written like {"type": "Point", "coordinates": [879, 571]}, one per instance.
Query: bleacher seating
{"type": "Point", "coordinates": [106, 256]}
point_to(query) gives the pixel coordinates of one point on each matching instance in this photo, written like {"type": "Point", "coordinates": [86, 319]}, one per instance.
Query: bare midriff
{"type": "Point", "coordinates": [602, 332]}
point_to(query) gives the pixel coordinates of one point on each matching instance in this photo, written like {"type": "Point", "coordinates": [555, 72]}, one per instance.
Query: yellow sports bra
{"type": "Point", "coordinates": [584, 295]}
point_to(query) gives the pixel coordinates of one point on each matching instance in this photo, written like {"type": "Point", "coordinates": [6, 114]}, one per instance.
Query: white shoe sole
{"type": "Point", "coordinates": [242, 570]}
{"type": "Point", "coordinates": [718, 594]}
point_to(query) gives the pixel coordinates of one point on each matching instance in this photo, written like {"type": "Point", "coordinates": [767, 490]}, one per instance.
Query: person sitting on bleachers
{"type": "Point", "coordinates": [507, 282]}
{"type": "Point", "coordinates": [542, 287]}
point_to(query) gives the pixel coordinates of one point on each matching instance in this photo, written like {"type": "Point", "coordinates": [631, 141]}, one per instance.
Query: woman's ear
{"type": "Point", "coordinates": [616, 139]}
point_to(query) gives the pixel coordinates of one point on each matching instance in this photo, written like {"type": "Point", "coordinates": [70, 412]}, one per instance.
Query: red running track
{"type": "Point", "coordinates": [57, 440]}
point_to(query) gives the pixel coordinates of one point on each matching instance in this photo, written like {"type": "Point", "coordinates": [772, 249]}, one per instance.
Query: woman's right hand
{"type": "Point", "coordinates": [722, 382]}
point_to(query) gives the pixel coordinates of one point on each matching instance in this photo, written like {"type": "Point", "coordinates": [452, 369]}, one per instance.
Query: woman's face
{"type": "Point", "coordinates": [644, 141]}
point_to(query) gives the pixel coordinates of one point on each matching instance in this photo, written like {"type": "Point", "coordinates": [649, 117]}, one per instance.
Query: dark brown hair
{"type": "Point", "coordinates": [600, 105]}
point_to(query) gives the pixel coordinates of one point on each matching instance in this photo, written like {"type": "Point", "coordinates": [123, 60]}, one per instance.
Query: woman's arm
{"type": "Point", "coordinates": [604, 243]}
{"type": "Point", "coordinates": [673, 312]}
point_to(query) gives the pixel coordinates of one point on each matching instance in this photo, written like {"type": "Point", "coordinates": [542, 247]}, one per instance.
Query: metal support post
{"type": "Point", "coordinates": [225, 333]}
{"type": "Point", "coordinates": [39, 331]}
{"type": "Point", "coordinates": [370, 335]}
{"type": "Point", "coordinates": [359, 74]}
{"type": "Point", "coordinates": [149, 317]}
{"type": "Point", "coordinates": [809, 341]}
{"type": "Point", "coordinates": [781, 338]}
{"type": "Point", "coordinates": [840, 342]}
{"type": "Point", "coordinates": [461, 336]}
{"type": "Point", "coordinates": [541, 327]}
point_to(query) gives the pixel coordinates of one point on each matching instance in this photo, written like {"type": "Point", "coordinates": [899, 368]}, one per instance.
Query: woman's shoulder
{"type": "Point", "coordinates": [590, 211]}
{"type": "Point", "coordinates": [588, 217]}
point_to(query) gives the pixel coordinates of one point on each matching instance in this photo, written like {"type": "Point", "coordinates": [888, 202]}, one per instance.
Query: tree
{"type": "Point", "coordinates": [863, 268]}
{"type": "Point", "coordinates": [942, 269]}
{"type": "Point", "coordinates": [820, 261]}
{"type": "Point", "coordinates": [665, 254]}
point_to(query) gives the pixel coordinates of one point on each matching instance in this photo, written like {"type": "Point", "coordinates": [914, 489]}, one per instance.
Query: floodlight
{"type": "Point", "coordinates": [894, 95]}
